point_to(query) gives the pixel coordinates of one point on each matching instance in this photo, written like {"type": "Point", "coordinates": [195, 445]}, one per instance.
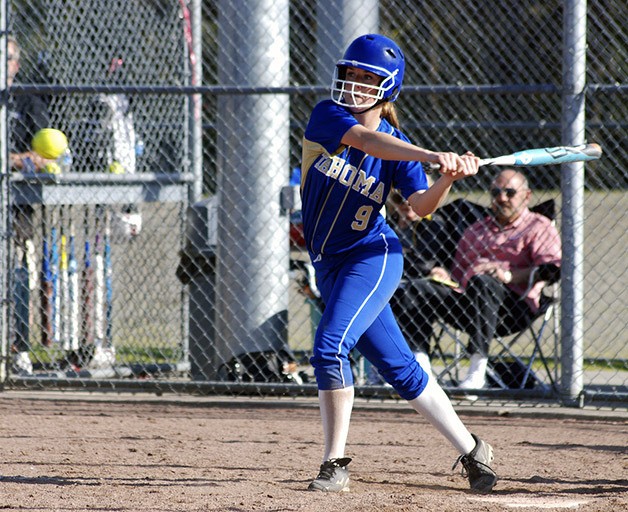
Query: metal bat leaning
{"type": "Point", "coordinates": [541, 156]}
{"type": "Point", "coordinates": [46, 285]}
{"type": "Point", "coordinates": [73, 297]}
{"type": "Point", "coordinates": [64, 287]}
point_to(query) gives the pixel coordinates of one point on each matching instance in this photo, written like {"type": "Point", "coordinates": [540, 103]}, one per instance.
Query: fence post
{"type": "Point", "coordinates": [252, 276]}
{"type": "Point", "coordinates": [339, 23]}
{"type": "Point", "coordinates": [5, 292]}
{"type": "Point", "coordinates": [572, 186]}
{"type": "Point", "coordinates": [196, 120]}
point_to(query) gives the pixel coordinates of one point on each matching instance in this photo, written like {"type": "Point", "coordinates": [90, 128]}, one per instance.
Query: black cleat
{"type": "Point", "coordinates": [476, 467]}
{"type": "Point", "coordinates": [332, 477]}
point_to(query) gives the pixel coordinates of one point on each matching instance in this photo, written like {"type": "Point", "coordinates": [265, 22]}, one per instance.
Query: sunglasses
{"type": "Point", "coordinates": [510, 192]}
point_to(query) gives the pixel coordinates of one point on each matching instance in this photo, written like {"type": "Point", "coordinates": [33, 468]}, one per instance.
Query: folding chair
{"type": "Point", "coordinates": [510, 367]}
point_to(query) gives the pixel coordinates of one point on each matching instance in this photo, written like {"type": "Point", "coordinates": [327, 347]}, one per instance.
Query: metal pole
{"type": "Point", "coordinates": [195, 147]}
{"type": "Point", "coordinates": [5, 292]}
{"type": "Point", "coordinates": [338, 24]}
{"type": "Point", "coordinates": [253, 164]}
{"type": "Point", "coordinates": [197, 105]}
{"type": "Point", "coordinates": [572, 186]}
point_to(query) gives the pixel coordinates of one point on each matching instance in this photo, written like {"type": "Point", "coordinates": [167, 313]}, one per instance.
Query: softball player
{"type": "Point", "coordinates": [353, 154]}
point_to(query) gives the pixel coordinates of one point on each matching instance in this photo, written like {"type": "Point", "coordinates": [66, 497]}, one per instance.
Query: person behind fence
{"type": "Point", "coordinates": [424, 246]}
{"type": "Point", "coordinates": [27, 114]}
{"type": "Point", "coordinates": [124, 149]}
{"type": "Point", "coordinates": [493, 279]}
{"type": "Point", "coordinates": [422, 238]}
{"type": "Point", "coordinates": [353, 154]}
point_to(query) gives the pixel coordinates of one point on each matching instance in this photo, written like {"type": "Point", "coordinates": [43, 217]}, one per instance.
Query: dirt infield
{"type": "Point", "coordinates": [185, 455]}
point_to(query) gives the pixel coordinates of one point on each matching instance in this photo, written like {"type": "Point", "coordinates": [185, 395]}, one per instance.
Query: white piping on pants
{"type": "Point", "coordinates": [344, 334]}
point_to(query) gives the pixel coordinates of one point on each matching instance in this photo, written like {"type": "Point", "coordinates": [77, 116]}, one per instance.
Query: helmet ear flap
{"type": "Point", "coordinates": [395, 92]}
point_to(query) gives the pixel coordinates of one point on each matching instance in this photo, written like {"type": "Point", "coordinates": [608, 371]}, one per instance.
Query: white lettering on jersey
{"type": "Point", "coordinates": [336, 166]}
{"type": "Point", "coordinates": [323, 165]}
{"type": "Point", "coordinates": [346, 174]}
{"type": "Point", "coordinates": [378, 195]}
{"type": "Point", "coordinates": [363, 184]}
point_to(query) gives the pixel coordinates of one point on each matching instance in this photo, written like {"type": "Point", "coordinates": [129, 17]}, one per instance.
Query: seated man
{"type": "Point", "coordinates": [493, 281]}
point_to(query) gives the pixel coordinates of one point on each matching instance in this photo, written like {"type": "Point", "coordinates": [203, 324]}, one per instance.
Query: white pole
{"type": "Point", "coordinates": [252, 278]}
{"type": "Point", "coordinates": [572, 186]}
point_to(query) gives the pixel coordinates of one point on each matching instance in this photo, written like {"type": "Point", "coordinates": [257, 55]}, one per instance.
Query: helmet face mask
{"type": "Point", "coordinates": [374, 54]}
{"type": "Point", "coordinates": [350, 93]}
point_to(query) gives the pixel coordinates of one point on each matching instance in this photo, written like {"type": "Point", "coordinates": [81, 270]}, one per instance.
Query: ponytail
{"type": "Point", "coordinates": [389, 112]}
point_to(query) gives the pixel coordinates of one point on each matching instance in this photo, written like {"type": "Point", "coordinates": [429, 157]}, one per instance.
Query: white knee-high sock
{"type": "Point", "coordinates": [335, 406]}
{"type": "Point", "coordinates": [436, 407]}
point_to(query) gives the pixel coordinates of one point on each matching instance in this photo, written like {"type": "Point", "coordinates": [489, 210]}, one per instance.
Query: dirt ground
{"type": "Point", "coordinates": [133, 454]}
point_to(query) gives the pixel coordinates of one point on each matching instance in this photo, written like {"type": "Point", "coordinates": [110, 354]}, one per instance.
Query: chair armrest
{"type": "Point", "coordinates": [547, 272]}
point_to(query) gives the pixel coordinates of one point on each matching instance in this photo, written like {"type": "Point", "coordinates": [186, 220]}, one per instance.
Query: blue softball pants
{"type": "Point", "coordinates": [356, 288]}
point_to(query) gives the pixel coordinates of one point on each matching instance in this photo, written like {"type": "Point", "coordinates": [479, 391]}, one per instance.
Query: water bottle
{"type": "Point", "coordinates": [139, 153]}
{"type": "Point", "coordinates": [65, 161]}
{"type": "Point", "coordinates": [139, 148]}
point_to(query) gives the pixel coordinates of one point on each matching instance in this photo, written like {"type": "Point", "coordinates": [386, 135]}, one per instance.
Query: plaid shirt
{"type": "Point", "coordinates": [529, 241]}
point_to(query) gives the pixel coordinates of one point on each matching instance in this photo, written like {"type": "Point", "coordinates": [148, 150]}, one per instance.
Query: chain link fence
{"type": "Point", "coordinates": [166, 255]}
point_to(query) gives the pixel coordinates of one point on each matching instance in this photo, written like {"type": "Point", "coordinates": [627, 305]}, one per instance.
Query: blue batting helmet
{"type": "Point", "coordinates": [378, 55]}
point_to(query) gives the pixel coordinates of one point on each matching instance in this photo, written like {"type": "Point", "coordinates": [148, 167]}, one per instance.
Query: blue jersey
{"type": "Point", "coordinates": [344, 189]}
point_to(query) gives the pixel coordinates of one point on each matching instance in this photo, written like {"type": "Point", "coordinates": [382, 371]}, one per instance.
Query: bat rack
{"type": "Point", "coordinates": [103, 189]}
{"type": "Point", "coordinates": [99, 188]}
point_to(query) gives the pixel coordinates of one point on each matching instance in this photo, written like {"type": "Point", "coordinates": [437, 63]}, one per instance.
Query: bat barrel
{"type": "Point", "coordinates": [538, 156]}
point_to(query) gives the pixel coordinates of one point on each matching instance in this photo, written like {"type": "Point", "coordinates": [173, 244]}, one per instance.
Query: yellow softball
{"type": "Point", "coordinates": [49, 143]}
{"type": "Point", "coordinates": [116, 168]}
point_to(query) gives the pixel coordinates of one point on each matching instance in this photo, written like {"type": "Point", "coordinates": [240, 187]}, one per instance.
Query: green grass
{"type": "Point", "coordinates": [147, 355]}
{"type": "Point", "coordinates": [124, 355]}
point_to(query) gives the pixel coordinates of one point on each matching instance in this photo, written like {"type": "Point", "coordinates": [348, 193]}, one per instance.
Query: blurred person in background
{"type": "Point", "coordinates": [27, 114]}
{"type": "Point", "coordinates": [424, 246]}
{"type": "Point", "coordinates": [124, 149]}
